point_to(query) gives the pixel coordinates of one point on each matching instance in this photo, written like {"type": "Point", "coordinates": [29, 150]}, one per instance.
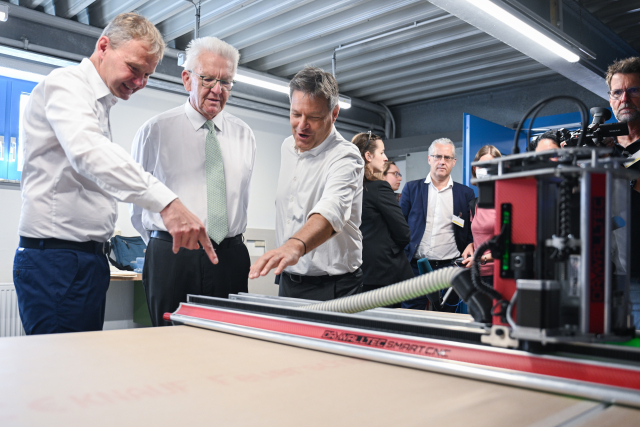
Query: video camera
{"type": "Point", "coordinates": [597, 131]}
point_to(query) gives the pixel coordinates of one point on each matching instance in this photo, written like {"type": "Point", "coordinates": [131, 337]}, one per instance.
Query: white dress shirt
{"type": "Point", "coordinates": [438, 241]}
{"type": "Point", "coordinates": [73, 174]}
{"type": "Point", "coordinates": [326, 180]}
{"type": "Point", "coordinates": [171, 147]}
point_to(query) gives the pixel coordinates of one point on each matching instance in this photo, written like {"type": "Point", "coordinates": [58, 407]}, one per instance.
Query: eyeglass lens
{"type": "Point", "coordinates": [632, 92]}
{"type": "Point", "coordinates": [440, 157]}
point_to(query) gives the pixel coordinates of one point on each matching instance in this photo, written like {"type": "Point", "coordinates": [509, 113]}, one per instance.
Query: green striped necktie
{"type": "Point", "coordinates": [217, 225]}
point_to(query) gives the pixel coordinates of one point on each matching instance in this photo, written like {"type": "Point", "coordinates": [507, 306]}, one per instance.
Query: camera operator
{"type": "Point", "coordinates": [623, 79]}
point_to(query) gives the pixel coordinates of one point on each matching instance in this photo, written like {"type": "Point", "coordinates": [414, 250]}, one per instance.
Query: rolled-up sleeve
{"type": "Point", "coordinates": [91, 153]}
{"type": "Point", "coordinates": [341, 186]}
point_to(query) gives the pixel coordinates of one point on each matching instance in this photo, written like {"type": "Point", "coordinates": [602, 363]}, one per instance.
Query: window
{"type": "Point", "coordinates": [14, 94]}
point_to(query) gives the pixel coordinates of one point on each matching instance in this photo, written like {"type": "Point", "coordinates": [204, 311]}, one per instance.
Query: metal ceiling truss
{"type": "Point", "coordinates": [387, 51]}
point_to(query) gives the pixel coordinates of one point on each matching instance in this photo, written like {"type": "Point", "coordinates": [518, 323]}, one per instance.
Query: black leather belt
{"type": "Point", "coordinates": [226, 243]}
{"type": "Point", "coordinates": [90, 246]}
{"type": "Point", "coordinates": [435, 263]}
{"type": "Point", "coordinates": [316, 280]}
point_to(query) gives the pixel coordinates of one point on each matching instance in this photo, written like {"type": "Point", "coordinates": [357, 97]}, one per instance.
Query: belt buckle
{"type": "Point", "coordinates": [295, 278]}
{"type": "Point", "coordinates": [106, 248]}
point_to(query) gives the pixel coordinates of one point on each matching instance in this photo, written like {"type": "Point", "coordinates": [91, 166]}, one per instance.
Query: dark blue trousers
{"type": "Point", "coordinates": [60, 290]}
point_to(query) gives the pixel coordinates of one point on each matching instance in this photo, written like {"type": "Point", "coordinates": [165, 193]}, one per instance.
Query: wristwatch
{"type": "Point", "coordinates": [483, 260]}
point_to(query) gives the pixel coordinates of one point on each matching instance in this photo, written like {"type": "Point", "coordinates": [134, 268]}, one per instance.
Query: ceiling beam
{"type": "Point", "coordinates": [321, 37]}
{"type": "Point", "coordinates": [496, 74]}
{"type": "Point", "coordinates": [244, 19]}
{"type": "Point", "coordinates": [101, 13]}
{"type": "Point", "coordinates": [184, 22]}
{"type": "Point", "coordinates": [70, 8]}
{"type": "Point", "coordinates": [465, 88]}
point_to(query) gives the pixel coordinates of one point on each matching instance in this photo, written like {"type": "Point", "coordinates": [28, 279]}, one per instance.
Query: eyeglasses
{"type": "Point", "coordinates": [439, 157]}
{"type": "Point", "coordinates": [210, 82]}
{"type": "Point", "coordinates": [632, 92]}
{"type": "Point", "coordinates": [396, 174]}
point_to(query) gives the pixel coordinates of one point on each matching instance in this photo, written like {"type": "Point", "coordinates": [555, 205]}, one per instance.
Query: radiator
{"type": "Point", "coordinates": [10, 324]}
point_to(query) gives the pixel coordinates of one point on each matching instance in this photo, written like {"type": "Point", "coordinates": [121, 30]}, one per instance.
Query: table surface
{"type": "Point", "coordinates": [114, 278]}
{"type": "Point", "coordinates": [189, 376]}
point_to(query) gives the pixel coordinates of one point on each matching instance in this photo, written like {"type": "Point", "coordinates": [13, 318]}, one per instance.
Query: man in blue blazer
{"type": "Point", "coordinates": [437, 211]}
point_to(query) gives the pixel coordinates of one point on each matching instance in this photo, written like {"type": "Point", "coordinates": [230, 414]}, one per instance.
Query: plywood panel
{"type": "Point", "coordinates": [190, 376]}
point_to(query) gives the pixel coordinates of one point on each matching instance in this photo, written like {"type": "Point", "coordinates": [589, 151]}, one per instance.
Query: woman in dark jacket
{"type": "Point", "coordinates": [384, 230]}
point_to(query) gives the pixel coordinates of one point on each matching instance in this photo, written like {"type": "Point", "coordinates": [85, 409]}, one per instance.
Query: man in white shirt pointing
{"type": "Point", "coordinates": [319, 198]}
{"type": "Point", "coordinates": [206, 156]}
{"type": "Point", "coordinates": [73, 176]}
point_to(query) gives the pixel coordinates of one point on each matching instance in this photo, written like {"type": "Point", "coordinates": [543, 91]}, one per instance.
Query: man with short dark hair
{"type": "Point", "coordinates": [437, 211]}
{"type": "Point", "coordinates": [547, 141]}
{"type": "Point", "coordinates": [319, 198]}
{"type": "Point", "coordinates": [73, 175]}
{"type": "Point", "coordinates": [206, 155]}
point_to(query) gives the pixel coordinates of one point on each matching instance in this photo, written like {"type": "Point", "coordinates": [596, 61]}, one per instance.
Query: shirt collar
{"type": "Point", "coordinates": [315, 151]}
{"type": "Point", "coordinates": [197, 120]}
{"type": "Point", "coordinates": [449, 183]}
{"type": "Point", "coordinates": [95, 81]}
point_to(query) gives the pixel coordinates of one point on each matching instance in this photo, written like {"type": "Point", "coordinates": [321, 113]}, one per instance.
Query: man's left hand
{"type": "Point", "coordinates": [280, 258]}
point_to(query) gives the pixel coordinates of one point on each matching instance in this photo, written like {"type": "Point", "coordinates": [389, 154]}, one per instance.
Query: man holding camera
{"type": "Point", "coordinates": [623, 78]}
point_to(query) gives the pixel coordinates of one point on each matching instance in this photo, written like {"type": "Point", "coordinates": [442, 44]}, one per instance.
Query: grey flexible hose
{"type": "Point", "coordinates": [412, 288]}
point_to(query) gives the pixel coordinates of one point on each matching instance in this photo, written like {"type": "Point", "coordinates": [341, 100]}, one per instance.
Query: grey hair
{"type": "Point", "coordinates": [315, 82]}
{"type": "Point", "coordinates": [213, 45]}
{"type": "Point", "coordinates": [131, 26]}
{"type": "Point", "coordinates": [442, 141]}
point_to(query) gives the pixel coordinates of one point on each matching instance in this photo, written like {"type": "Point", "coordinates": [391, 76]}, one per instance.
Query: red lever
{"type": "Point", "coordinates": [167, 317]}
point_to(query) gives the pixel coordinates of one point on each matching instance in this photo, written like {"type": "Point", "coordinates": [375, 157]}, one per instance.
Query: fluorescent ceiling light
{"type": "Point", "coordinates": [4, 12]}
{"type": "Point", "coordinates": [267, 81]}
{"type": "Point", "coordinates": [37, 57]}
{"type": "Point", "coordinates": [525, 29]}
{"type": "Point", "coordinates": [262, 80]}
{"type": "Point", "coordinates": [344, 102]}
{"type": "Point", "coordinates": [21, 75]}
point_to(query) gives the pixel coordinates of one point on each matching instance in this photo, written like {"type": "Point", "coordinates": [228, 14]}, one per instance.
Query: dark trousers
{"type": "Point", "coordinates": [169, 277]}
{"type": "Point", "coordinates": [320, 288]}
{"type": "Point", "coordinates": [451, 305]}
{"type": "Point", "coordinates": [60, 290]}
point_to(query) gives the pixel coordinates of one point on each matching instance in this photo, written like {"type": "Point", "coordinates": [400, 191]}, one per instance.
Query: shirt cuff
{"type": "Point", "coordinates": [157, 197]}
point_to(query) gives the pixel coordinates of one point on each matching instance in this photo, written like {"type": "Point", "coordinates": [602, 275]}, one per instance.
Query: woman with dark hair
{"type": "Point", "coordinates": [482, 220]}
{"type": "Point", "coordinates": [384, 230]}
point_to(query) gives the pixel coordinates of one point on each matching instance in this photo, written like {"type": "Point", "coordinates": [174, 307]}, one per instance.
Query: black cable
{"type": "Point", "coordinates": [584, 116]}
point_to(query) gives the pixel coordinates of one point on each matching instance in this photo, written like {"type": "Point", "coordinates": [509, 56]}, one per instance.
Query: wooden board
{"type": "Point", "coordinates": [190, 376]}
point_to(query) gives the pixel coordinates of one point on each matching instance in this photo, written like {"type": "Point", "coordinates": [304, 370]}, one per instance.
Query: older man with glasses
{"type": "Point", "coordinates": [206, 156]}
{"type": "Point", "coordinates": [437, 211]}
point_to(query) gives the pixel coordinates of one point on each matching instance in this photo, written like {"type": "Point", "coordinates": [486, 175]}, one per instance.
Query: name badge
{"type": "Point", "coordinates": [457, 221]}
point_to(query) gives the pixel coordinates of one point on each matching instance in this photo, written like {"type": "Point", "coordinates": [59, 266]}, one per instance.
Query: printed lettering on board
{"type": "Point", "coordinates": [386, 343]}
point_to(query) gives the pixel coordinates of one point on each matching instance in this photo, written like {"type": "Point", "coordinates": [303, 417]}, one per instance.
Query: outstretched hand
{"type": "Point", "coordinates": [280, 258]}
{"type": "Point", "coordinates": [186, 229]}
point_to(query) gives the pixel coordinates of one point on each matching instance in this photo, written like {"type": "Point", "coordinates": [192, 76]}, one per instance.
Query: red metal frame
{"type": "Point", "coordinates": [588, 371]}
